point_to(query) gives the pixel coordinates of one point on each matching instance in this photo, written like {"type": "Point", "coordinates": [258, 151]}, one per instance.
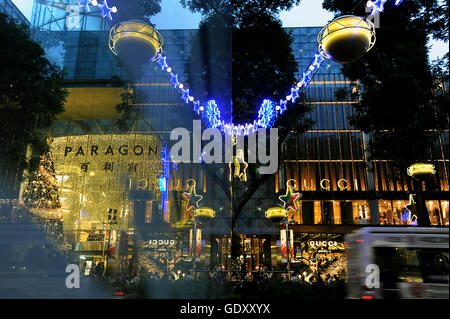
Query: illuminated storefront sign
{"type": "Point", "coordinates": [325, 184]}
{"type": "Point", "coordinates": [324, 243]}
{"type": "Point", "coordinates": [158, 242]}
{"type": "Point", "coordinates": [96, 172]}
{"type": "Point", "coordinates": [94, 150]}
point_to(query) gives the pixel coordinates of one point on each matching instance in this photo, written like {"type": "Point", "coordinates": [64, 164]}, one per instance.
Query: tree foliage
{"type": "Point", "coordinates": [240, 56]}
{"type": "Point", "coordinates": [396, 97]}
{"type": "Point", "coordinates": [398, 103]}
{"type": "Point", "coordinates": [137, 9]}
{"type": "Point", "coordinates": [31, 95]}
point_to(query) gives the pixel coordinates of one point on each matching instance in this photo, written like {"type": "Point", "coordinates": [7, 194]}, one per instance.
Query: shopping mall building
{"type": "Point", "coordinates": [102, 169]}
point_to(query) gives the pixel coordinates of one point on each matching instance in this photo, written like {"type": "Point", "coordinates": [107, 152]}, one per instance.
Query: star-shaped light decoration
{"type": "Point", "coordinates": [377, 6]}
{"type": "Point", "coordinates": [185, 96]}
{"type": "Point", "coordinates": [306, 77]}
{"type": "Point", "coordinates": [283, 106]}
{"type": "Point", "coordinates": [290, 200]}
{"type": "Point", "coordinates": [240, 166]}
{"type": "Point", "coordinates": [84, 4]}
{"type": "Point", "coordinates": [411, 219]}
{"type": "Point", "coordinates": [318, 59]}
{"type": "Point", "coordinates": [197, 106]}
{"type": "Point", "coordinates": [294, 94]}
{"type": "Point", "coordinates": [162, 61]}
{"type": "Point", "coordinates": [174, 80]}
{"type": "Point", "coordinates": [191, 196]}
{"type": "Point", "coordinates": [397, 2]}
{"type": "Point", "coordinates": [106, 10]}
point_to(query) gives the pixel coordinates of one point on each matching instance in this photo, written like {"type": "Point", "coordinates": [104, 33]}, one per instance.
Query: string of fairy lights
{"type": "Point", "coordinates": [269, 110]}
{"type": "Point", "coordinates": [209, 110]}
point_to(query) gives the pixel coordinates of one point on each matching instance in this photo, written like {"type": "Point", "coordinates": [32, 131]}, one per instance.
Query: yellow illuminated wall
{"type": "Point", "coordinates": [96, 172]}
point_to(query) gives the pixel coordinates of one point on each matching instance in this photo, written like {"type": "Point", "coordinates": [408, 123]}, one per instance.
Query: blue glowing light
{"type": "Point", "coordinates": [306, 77]}
{"type": "Point", "coordinates": [185, 96]}
{"type": "Point", "coordinates": [197, 106]}
{"type": "Point", "coordinates": [85, 4]}
{"type": "Point", "coordinates": [106, 11]}
{"type": "Point", "coordinates": [162, 183]}
{"type": "Point", "coordinates": [164, 178]}
{"type": "Point", "coordinates": [268, 110]}
{"type": "Point", "coordinates": [174, 80]}
{"type": "Point", "coordinates": [318, 60]}
{"type": "Point", "coordinates": [162, 61]}
{"type": "Point", "coordinates": [266, 113]}
{"type": "Point", "coordinates": [377, 6]}
{"type": "Point", "coordinates": [213, 114]}
{"type": "Point", "coordinates": [294, 94]}
{"type": "Point", "coordinates": [283, 106]}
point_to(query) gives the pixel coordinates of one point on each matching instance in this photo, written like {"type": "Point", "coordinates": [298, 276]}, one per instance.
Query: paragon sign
{"type": "Point", "coordinates": [123, 150]}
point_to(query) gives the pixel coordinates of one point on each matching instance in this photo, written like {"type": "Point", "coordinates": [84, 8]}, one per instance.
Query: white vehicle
{"type": "Point", "coordinates": [398, 263]}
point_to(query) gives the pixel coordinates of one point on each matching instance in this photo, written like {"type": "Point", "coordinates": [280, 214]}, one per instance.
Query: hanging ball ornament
{"type": "Point", "coordinates": [204, 214]}
{"type": "Point", "coordinates": [421, 171]}
{"type": "Point", "coordinates": [135, 42]}
{"type": "Point", "coordinates": [276, 214]}
{"type": "Point", "coordinates": [346, 39]}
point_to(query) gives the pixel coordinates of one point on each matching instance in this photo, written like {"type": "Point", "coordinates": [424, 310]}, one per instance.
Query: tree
{"type": "Point", "coordinates": [395, 86]}
{"type": "Point", "coordinates": [42, 187]}
{"type": "Point", "coordinates": [136, 9]}
{"type": "Point", "coordinates": [31, 95]}
{"type": "Point", "coordinates": [240, 56]}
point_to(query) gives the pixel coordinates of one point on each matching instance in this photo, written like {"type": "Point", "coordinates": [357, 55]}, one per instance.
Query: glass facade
{"type": "Point", "coordinates": [8, 7]}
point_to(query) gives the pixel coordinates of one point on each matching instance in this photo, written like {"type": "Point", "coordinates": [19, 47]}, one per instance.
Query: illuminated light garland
{"type": "Point", "coordinates": [162, 62]}
{"type": "Point", "coordinates": [377, 6]}
{"type": "Point", "coordinates": [85, 4]}
{"type": "Point", "coordinates": [174, 80]}
{"type": "Point", "coordinates": [186, 97]}
{"type": "Point", "coordinates": [265, 114]}
{"type": "Point", "coordinates": [106, 10]}
{"type": "Point", "coordinates": [165, 177]}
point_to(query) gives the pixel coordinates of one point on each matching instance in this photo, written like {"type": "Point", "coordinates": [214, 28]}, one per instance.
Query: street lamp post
{"type": "Point", "coordinates": [202, 214]}
{"type": "Point", "coordinates": [278, 214]}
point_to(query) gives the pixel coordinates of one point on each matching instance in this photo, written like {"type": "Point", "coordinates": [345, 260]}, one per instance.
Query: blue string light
{"type": "Point", "coordinates": [294, 94]}
{"type": "Point", "coordinates": [266, 113]}
{"type": "Point", "coordinates": [84, 4]}
{"type": "Point", "coordinates": [197, 106]}
{"type": "Point", "coordinates": [185, 95]}
{"type": "Point", "coordinates": [318, 60]}
{"type": "Point", "coordinates": [377, 6]}
{"type": "Point", "coordinates": [283, 106]}
{"type": "Point", "coordinates": [268, 109]}
{"type": "Point", "coordinates": [162, 61]}
{"type": "Point", "coordinates": [213, 114]}
{"type": "Point", "coordinates": [106, 11]}
{"type": "Point", "coordinates": [306, 77]}
{"type": "Point", "coordinates": [174, 80]}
